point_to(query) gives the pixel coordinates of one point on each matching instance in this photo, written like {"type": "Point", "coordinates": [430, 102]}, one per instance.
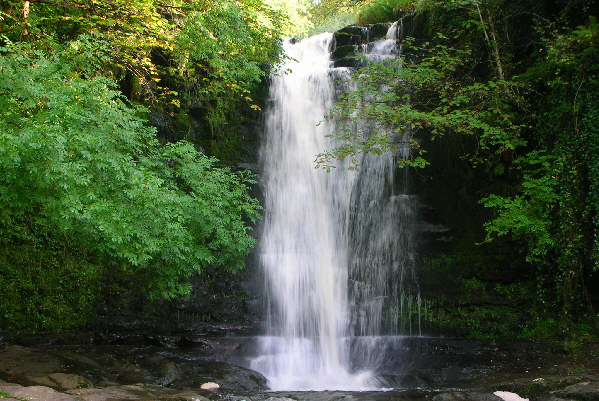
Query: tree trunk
{"type": "Point", "coordinates": [25, 12]}
{"type": "Point", "coordinates": [491, 41]}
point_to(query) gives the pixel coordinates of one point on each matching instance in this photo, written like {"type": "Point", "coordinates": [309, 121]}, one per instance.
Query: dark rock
{"type": "Point", "coordinates": [343, 51]}
{"type": "Point", "coordinates": [352, 30]}
{"type": "Point", "coordinates": [351, 62]}
{"type": "Point", "coordinates": [163, 341]}
{"type": "Point", "coordinates": [451, 396]}
{"type": "Point", "coordinates": [377, 31]}
{"type": "Point", "coordinates": [350, 36]}
{"type": "Point", "coordinates": [585, 391]}
{"type": "Point", "coordinates": [194, 342]}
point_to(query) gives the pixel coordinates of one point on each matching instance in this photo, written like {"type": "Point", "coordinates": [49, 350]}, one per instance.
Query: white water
{"type": "Point", "coordinates": [335, 246]}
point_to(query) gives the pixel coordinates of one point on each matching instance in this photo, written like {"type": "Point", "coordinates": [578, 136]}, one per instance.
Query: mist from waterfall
{"type": "Point", "coordinates": [335, 245]}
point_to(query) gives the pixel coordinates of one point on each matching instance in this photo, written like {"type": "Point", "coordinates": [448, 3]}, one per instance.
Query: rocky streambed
{"type": "Point", "coordinates": [92, 367]}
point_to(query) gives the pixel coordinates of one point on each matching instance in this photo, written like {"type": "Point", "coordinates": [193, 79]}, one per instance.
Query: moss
{"type": "Point", "coordinates": [46, 288]}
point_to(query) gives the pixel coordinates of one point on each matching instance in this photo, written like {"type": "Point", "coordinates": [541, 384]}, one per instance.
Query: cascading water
{"type": "Point", "coordinates": [335, 246]}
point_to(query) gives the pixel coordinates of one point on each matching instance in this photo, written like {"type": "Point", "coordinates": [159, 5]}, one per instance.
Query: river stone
{"type": "Point", "coordinates": [586, 391]}
{"type": "Point", "coordinates": [38, 393]}
{"type": "Point", "coordinates": [39, 381]}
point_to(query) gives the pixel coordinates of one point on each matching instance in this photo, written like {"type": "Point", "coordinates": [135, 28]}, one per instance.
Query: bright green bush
{"type": "Point", "coordinates": [84, 175]}
{"type": "Point", "coordinates": [383, 11]}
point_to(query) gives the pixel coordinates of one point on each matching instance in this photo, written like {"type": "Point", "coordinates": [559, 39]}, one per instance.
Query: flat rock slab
{"type": "Point", "coordinates": [135, 392]}
{"type": "Point", "coordinates": [465, 396]}
{"type": "Point", "coordinates": [35, 393]}
{"type": "Point", "coordinates": [61, 381]}
{"type": "Point", "coordinates": [20, 362]}
{"type": "Point", "coordinates": [112, 393]}
{"type": "Point", "coordinates": [128, 392]}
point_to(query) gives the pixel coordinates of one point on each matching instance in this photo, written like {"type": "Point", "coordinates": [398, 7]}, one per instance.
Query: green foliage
{"type": "Point", "coordinates": [220, 54]}
{"type": "Point", "coordinates": [376, 11]}
{"type": "Point", "coordinates": [527, 216]}
{"type": "Point", "coordinates": [331, 15]}
{"type": "Point", "coordinates": [81, 164]}
{"type": "Point", "coordinates": [132, 28]}
{"type": "Point", "coordinates": [190, 54]}
{"type": "Point", "coordinates": [555, 209]}
{"type": "Point", "coordinates": [83, 172]}
{"type": "Point", "coordinates": [432, 94]}
{"type": "Point", "coordinates": [87, 189]}
{"type": "Point", "coordinates": [297, 22]}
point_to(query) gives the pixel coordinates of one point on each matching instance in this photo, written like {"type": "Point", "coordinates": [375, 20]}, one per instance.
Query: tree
{"type": "Point", "coordinates": [82, 170]}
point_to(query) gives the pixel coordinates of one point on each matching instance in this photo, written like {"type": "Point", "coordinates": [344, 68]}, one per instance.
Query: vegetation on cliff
{"type": "Point", "coordinates": [500, 98]}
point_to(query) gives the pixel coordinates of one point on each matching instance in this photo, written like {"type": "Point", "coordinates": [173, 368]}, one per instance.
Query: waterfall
{"type": "Point", "coordinates": [335, 245]}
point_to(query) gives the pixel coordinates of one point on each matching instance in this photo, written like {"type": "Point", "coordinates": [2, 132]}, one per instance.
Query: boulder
{"type": "Point", "coordinates": [377, 31]}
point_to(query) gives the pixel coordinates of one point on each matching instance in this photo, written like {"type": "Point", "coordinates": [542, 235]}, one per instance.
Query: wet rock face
{"type": "Point", "coordinates": [348, 42]}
